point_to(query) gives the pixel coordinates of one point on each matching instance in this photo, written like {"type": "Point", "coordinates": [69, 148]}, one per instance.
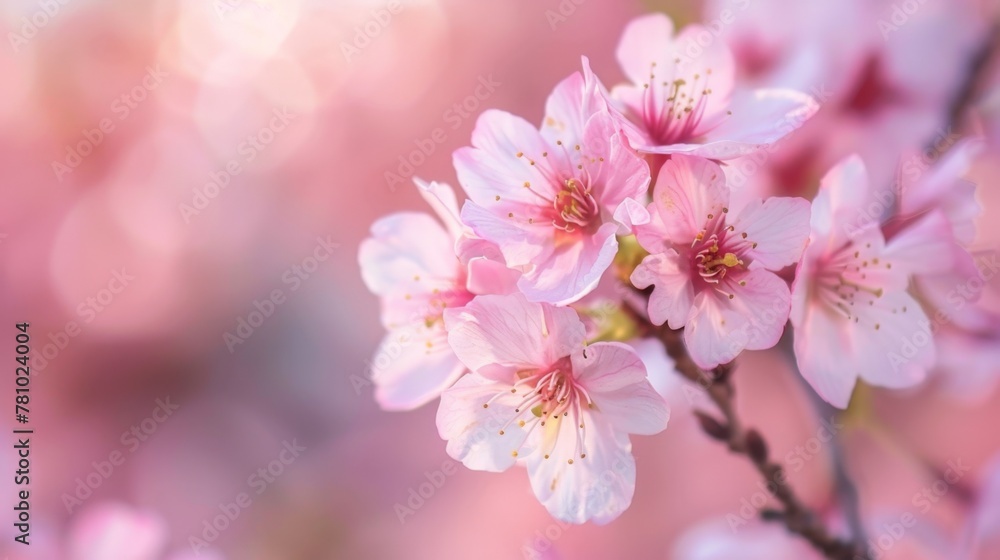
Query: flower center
{"type": "Point", "coordinates": [713, 263]}
{"type": "Point", "coordinates": [847, 282]}
{"type": "Point", "coordinates": [673, 111]}
{"type": "Point", "coordinates": [575, 207]}
{"type": "Point", "coordinates": [550, 396]}
{"type": "Point", "coordinates": [718, 250]}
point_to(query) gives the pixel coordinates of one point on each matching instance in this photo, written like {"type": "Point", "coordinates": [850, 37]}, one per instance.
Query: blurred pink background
{"type": "Point", "coordinates": [143, 236]}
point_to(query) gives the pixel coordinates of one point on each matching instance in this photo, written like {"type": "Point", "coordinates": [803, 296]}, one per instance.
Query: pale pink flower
{"type": "Point", "coordinates": [539, 396]}
{"type": "Point", "coordinates": [552, 200]}
{"type": "Point", "coordinates": [936, 208]}
{"type": "Point", "coordinates": [712, 268]}
{"type": "Point", "coordinates": [851, 310]}
{"type": "Point", "coordinates": [683, 100]}
{"type": "Point", "coordinates": [114, 531]}
{"type": "Point", "coordinates": [410, 261]}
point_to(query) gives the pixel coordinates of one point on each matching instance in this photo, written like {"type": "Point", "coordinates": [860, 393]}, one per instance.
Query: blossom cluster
{"type": "Point", "coordinates": [523, 310]}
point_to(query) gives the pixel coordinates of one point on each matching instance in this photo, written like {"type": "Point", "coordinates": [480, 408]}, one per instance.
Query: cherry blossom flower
{"type": "Point", "coordinates": [538, 395]}
{"type": "Point", "coordinates": [884, 92]}
{"type": "Point", "coordinates": [549, 199]}
{"type": "Point", "coordinates": [712, 269]}
{"type": "Point", "coordinates": [683, 99]}
{"type": "Point", "coordinates": [851, 310]}
{"type": "Point", "coordinates": [936, 209]}
{"type": "Point", "coordinates": [410, 262]}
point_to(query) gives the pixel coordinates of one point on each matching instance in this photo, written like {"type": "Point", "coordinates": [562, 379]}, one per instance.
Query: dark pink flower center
{"type": "Point", "coordinates": [848, 281]}
{"type": "Point", "coordinates": [575, 207]}
{"type": "Point", "coordinates": [672, 112]}
{"type": "Point", "coordinates": [717, 251]}
{"type": "Point", "coordinates": [550, 394]}
{"type": "Point", "coordinates": [567, 199]}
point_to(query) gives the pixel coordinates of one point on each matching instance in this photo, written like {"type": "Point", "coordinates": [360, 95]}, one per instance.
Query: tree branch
{"type": "Point", "coordinates": [717, 382]}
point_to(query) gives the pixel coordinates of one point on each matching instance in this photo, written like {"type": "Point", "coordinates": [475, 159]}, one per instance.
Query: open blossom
{"type": "Point", "coordinates": [538, 395]}
{"type": "Point", "coordinates": [410, 261]}
{"type": "Point", "coordinates": [683, 100]}
{"type": "Point", "coordinates": [851, 310]}
{"type": "Point", "coordinates": [936, 211]}
{"type": "Point", "coordinates": [711, 268]}
{"type": "Point", "coordinates": [552, 200]}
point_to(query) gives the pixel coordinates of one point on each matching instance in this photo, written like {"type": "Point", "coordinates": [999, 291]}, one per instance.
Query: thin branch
{"type": "Point", "coordinates": [717, 382]}
{"type": "Point", "coordinates": [978, 65]}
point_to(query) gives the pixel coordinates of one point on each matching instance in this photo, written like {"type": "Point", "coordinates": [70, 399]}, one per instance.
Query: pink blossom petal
{"type": "Point", "coordinates": [821, 345]}
{"type": "Point", "coordinates": [473, 431]}
{"type": "Point", "coordinates": [688, 189]}
{"type": "Point", "coordinates": [779, 226]}
{"type": "Point", "coordinates": [673, 294]}
{"type": "Point", "coordinates": [615, 377]}
{"type": "Point", "coordinates": [646, 39]}
{"type": "Point", "coordinates": [404, 246]}
{"type": "Point", "coordinates": [510, 331]}
{"type": "Point", "coordinates": [492, 166]}
{"type": "Point", "coordinates": [596, 488]}
{"type": "Point", "coordinates": [408, 373]}
{"type": "Point", "coordinates": [441, 198]}
{"type": "Point", "coordinates": [521, 245]}
{"type": "Point", "coordinates": [886, 343]}
{"type": "Point", "coordinates": [926, 246]}
{"type": "Point", "coordinates": [719, 328]}
{"type": "Point", "coordinates": [491, 277]}
{"type": "Point", "coordinates": [763, 301]}
{"type": "Point", "coordinates": [891, 347]}
{"type": "Point", "coordinates": [709, 328]}
{"type": "Point", "coordinates": [941, 186]}
{"type": "Point", "coordinates": [565, 111]}
{"type": "Point", "coordinates": [626, 175]}
{"type": "Point", "coordinates": [839, 209]}
{"type": "Point", "coordinates": [573, 270]}
{"type": "Point", "coordinates": [630, 214]}
{"type": "Point", "coordinates": [660, 67]}
{"type": "Point", "coordinates": [759, 119]}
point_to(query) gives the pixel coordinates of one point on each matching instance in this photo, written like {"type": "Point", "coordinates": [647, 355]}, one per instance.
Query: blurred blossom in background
{"type": "Point", "coordinates": [185, 185]}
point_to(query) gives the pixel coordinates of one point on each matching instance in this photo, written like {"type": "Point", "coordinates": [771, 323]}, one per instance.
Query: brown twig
{"type": "Point", "coordinates": [717, 382]}
{"type": "Point", "coordinates": [796, 516]}
{"type": "Point", "coordinates": [978, 65]}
